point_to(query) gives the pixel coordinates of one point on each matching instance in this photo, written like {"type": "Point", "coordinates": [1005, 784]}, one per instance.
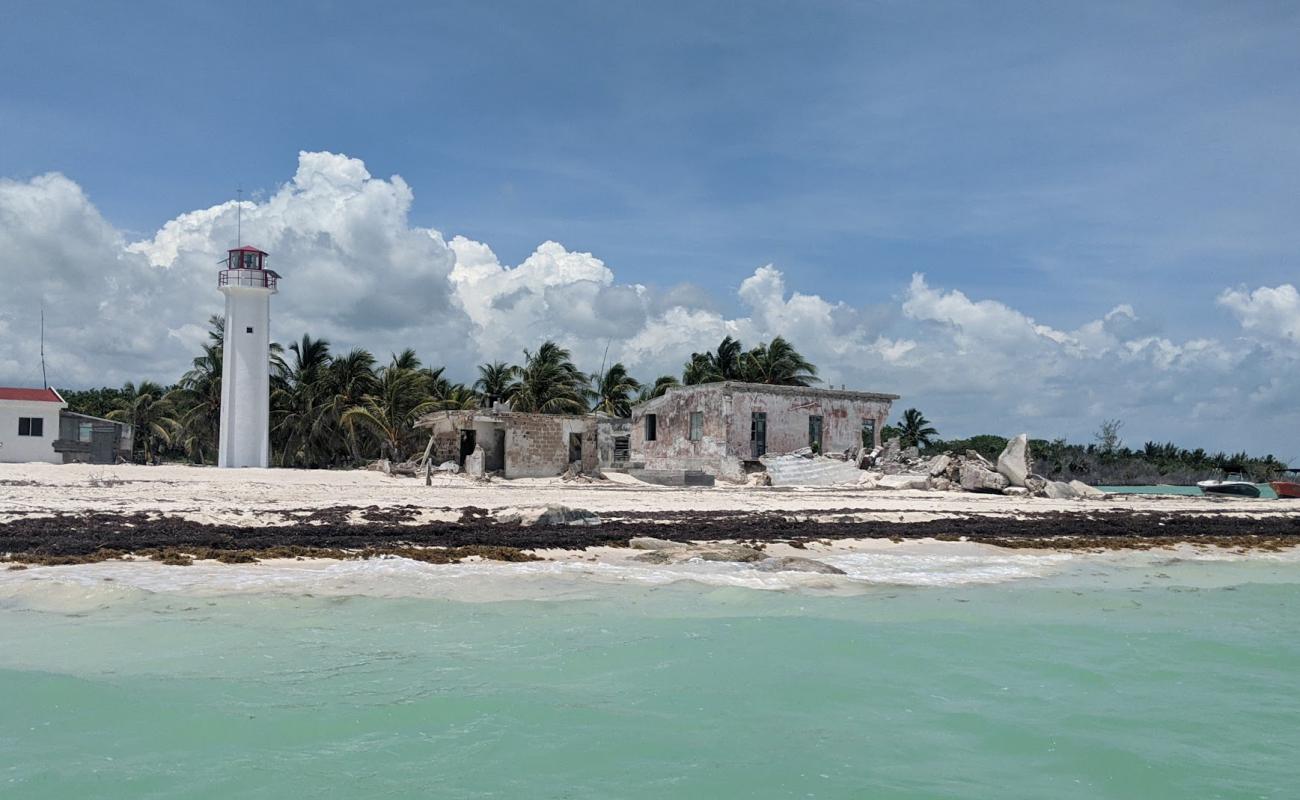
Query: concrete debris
{"type": "Point", "coordinates": [651, 543]}
{"type": "Point", "coordinates": [557, 516]}
{"type": "Point", "coordinates": [1014, 463]}
{"type": "Point", "coordinates": [793, 469]}
{"type": "Point", "coordinates": [448, 466]}
{"type": "Point", "coordinates": [474, 463]}
{"type": "Point", "coordinates": [715, 551]}
{"type": "Point", "coordinates": [1084, 490]}
{"type": "Point", "coordinates": [796, 564]}
{"type": "Point", "coordinates": [1059, 490]}
{"type": "Point", "coordinates": [903, 482]}
{"type": "Point", "coordinates": [976, 477]}
{"type": "Point", "coordinates": [939, 465]}
{"type": "Point", "coordinates": [896, 468]}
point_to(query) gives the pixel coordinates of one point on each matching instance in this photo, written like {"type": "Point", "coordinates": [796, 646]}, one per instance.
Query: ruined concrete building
{"type": "Point", "coordinates": [513, 443]}
{"type": "Point", "coordinates": [724, 428]}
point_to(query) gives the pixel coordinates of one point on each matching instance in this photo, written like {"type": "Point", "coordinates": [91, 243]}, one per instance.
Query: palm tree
{"type": "Point", "coordinates": [725, 364]}
{"type": "Point", "coordinates": [661, 385]}
{"type": "Point", "coordinates": [351, 378]}
{"type": "Point", "coordinates": [298, 403]}
{"type": "Point", "coordinates": [614, 391]}
{"type": "Point", "coordinates": [390, 411]}
{"type": "Point", "coordinates": [197, 401]}
{"type": "Point", "coordinates": [549, 383]}
{"type": "Point", "coordinates": [915, 430]}
{"type": "Point", "coordinates": [494, 381]}
{"type": "Point", "coordinates": [149, 412]}
{"type": "Point", "coordinates": [778, 363]}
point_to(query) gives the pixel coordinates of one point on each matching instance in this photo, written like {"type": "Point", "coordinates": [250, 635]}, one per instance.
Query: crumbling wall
{"type": "Point", "coordinates": [788, 413]}
{"type": "Point", "coordinates": [537, 445]}
{"type": "Point", "coordinates": [672, 448]}
{"type": "Point", "coordinates": [608, 431]}
{"type": "Point", "coordinates": [725, 447]}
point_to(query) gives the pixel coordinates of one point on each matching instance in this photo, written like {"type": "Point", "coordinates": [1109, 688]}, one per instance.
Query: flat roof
{"type": "Point", "coordinates": [732, 387]}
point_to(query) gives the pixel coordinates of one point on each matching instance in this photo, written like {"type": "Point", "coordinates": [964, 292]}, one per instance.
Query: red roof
{"type": "Point", "coordinates": [30, 395]}
{"type": "Point", "coordinates": [247, 249]}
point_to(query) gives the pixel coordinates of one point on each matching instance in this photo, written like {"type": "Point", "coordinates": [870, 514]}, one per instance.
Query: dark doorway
{"type": "Point", "coordinates": [869, 434]}
{"type": "Point", "coordinates": [468, 439]}
{"type": "Point", "coordinates": [575, 447]}
{"type": "Point", "coordinates": [496, 459]}
{"type": "Point", "coordinates": [815, 432]}
{"type": "Point", "coordinates": [758, 432]}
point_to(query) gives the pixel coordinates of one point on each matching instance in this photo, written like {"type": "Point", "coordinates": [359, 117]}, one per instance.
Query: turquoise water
{"type": "Point", "coordinates": [1022, 676]}
{"type": "Point", "coordinates": [1265, 491]}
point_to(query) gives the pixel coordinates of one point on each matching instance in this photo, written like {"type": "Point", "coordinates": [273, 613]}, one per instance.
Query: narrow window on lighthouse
{"type": "Point", "coordinates": [248, 330]}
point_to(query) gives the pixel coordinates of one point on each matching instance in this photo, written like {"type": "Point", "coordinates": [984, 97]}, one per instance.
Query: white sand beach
{"type": "Point", "coordinates": [252, 497]}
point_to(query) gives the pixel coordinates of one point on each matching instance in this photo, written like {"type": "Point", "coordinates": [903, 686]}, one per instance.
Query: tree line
{"type": "Point", "coordinates": [333, 409]}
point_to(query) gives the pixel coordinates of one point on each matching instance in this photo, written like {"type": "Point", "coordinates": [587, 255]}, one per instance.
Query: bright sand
{"type": "Point", "coordinates": [256, 496]}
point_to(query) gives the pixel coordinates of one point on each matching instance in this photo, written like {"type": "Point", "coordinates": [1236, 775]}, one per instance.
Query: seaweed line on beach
{"type": "Point", "coordinates": [65, 538]}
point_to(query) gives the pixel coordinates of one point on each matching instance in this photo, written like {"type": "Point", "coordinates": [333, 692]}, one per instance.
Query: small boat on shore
{"type": "Point", "coordinates": [1231, 486]}
{"type": "Point", "coordinates": [1288, 485]}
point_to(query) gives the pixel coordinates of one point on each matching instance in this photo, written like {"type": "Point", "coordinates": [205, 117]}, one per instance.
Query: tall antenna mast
{"type": "Point", "coordinates": [239, 217]}
{"type": "Point", "coordinates": [44, 381]}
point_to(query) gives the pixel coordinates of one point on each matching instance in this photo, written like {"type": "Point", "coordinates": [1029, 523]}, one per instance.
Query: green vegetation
{"type": "Point", "coordinates": [776, 362]}
{"type": "Point", "coordinates": [1107, 462]}
{"type": "Point", "coordinates": [334, 410]}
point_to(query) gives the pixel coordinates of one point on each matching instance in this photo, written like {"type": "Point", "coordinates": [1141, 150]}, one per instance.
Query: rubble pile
{"type": "Point", "coordinates": [895, 467]}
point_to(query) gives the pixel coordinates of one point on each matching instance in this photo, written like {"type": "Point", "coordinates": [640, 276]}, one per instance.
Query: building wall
{"type": "Point", "coordinates": [22, 449]}
{"type": "Point", "coordinates": [725, 444]}
{"type": "Point", "coordinates": [607, 431]}
{"type": "Point", "coordinates": [245, 438]}
{"type": "Point", "coordinates": [536, 445]}
{"type": "Point", "coordinates": [74, 450]}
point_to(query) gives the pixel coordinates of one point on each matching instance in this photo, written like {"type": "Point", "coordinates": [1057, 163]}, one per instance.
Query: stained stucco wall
{"type": "Point", "coordinates": [727, 408]}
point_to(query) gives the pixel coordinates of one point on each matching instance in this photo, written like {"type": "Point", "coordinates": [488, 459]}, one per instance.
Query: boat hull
{"type": "Point", "coordinates": [1286, 489]}
{"type": "Point", "coordinates": [1230, 489]}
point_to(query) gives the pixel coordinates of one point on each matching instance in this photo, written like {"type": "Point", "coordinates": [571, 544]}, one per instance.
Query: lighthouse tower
{"type": "Point", "coordinates": [246, 360]}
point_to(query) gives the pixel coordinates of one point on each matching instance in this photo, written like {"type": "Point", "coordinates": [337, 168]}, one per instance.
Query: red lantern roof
{"type": "Point", "coordinates": [247, 249]}
{"type": "Point", "coordinates": [30, 395]}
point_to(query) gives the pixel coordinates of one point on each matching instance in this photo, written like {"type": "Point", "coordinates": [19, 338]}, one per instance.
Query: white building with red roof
{"type": "Point", "coordinates": [29, 424]}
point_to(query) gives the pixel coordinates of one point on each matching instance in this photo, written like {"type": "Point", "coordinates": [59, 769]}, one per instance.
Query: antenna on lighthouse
{"type": "Point", "coordinates": [239, 216]}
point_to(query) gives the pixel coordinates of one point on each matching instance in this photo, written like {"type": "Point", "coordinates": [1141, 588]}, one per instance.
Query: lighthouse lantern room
{"type": "Point", "coordinates": [245, 438]}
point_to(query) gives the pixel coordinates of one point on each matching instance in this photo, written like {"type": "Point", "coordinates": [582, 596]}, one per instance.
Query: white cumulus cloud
{"type": "Point", "coordinates": [357, 272]}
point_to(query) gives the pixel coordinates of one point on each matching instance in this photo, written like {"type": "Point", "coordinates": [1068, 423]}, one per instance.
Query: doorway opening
{"type": "Point", "coordinates": [468, 440]}
{"type": "Point", "coordinates": [758, 433]}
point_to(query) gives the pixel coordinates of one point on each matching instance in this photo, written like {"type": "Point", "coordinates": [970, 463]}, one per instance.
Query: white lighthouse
{"type": "Point", "coordinates": [246, 360]}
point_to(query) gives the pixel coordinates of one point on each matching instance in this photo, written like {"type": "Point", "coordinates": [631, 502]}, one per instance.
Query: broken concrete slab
{"type": "Point", "coordinates": [718, 551]}
{"type": "Point", "coordinates": [796, 564]}
{"type": "Point", "coordinates": [793, 470]}
{"type": "Point", "coordinates": [977, 478]}
{"type": "Point", "coordinates": [1059, 490]}
{"type": "Point", "coordinates": [903, 482]}
{"type": "Point", "coordinates": [1014, 464]}
{"type": "Point", "coordinates": [1084, 490]}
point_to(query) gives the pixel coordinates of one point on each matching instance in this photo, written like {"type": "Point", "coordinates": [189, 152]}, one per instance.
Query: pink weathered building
{"type": "Point", "coordinates": [724, 428]}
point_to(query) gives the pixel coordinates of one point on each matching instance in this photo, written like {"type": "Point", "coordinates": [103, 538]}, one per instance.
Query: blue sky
{"type": "Point", "coordinates": [1061, 159]}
